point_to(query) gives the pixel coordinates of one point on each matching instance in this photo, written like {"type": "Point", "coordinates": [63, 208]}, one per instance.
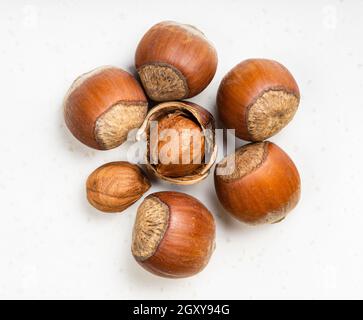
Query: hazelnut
{"type": "Point", "coordinates": [174, 235]}
{"type": "Point", "coordinates": [175, 61]}
{"type": "Point", "coordinates": [115, 186]}
{"type": "Point", "coordinates": [258, 184]}
{"type": "Point", "coordinates": [257, 98]}
{"type": "Point", "coordinates": [184, 148]}
{"type": "Point", "coordinates": [103, 105]}
{"type": "Point", "coordinates": [189, 146]}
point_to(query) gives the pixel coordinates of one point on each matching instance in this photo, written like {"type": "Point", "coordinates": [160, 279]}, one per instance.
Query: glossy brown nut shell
{"type": "Point", "coordinates": [103, 105]}
{"type": "Point", "coordinates": [115, 186]}
{"type": "Point", "coordinates": [174, 235]}
{"type": "Point", "coordinates": [262, 187]}
{"type": "Point", "coordinates": [175, 61]}
{"type": "Point", "coordinates": [257, 98]}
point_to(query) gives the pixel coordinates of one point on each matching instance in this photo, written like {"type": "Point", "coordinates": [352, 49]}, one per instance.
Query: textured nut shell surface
{"type": "Point", "coordinates": [163, 82]}
{"type": "Point", "coordinates": [113, 126]}
{"type": "Point", "coordinates": [151, 222]}
{"type": "Point", "coordinates": [270, 113]}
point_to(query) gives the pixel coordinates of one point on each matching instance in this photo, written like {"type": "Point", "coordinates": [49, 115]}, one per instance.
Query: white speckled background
{"type": "Point", "coordinates": [54, 245]}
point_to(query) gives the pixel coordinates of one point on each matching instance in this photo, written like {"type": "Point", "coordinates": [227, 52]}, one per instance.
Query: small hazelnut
{"type": "Point", "coordinates": [257, 184]}
{"type": "Point", "coordinates": [257, 98]}
{"type": "Point", "coordinates": [103, 105]}
{"type": "Point", "coordinates": [183, 149]}
{"type": "Point", "coordinates": [174, 235]}
{"type": "Point", "coordinates": [115, 186]}
{"type": "Point", "coordinates": [175, 61]}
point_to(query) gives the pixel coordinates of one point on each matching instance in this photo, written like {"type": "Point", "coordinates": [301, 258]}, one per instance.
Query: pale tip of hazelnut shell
{"type": "Point", "coordinates": [83, 78]}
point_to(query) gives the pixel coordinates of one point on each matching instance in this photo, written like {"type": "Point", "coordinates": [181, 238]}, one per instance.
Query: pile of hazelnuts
{"type": "Point", "coordinates": [174, 233]}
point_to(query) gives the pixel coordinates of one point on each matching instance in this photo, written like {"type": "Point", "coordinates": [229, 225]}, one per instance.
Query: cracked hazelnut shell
{"type": "Point", "coordinates": [186, 147]}
{"type": "Point", "coordinates": [193, 116]}
{"type": "Point", "coordinates": [173, 235]}
{"type": "Point", "coordinates": [257, 98]}
{"type": "Point", "coordinates": [103, 105]}
{"type": "Point", "coordinates": [175, 61]}
{"type": "Point", "coordinates": [262, 187]}
{"type": "Point", "coordinates": [115, 186]}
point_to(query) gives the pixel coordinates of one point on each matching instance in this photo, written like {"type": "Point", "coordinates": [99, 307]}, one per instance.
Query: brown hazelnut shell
{"type": "Point", "coordinates": [103, 105]}
{"type": "Point", "coordinates": [263, 188]}
{"type": "Point", "coordinates": [186, 237]}
{"type": "Point", "coordinates": [115, 186]}
{"type": "Point", "coordinates": [257, 98]}
{"type": "Point", "coordinates": [175, 61]}
{"type": "Point", "coordinates": [206, 121]}
{"type": "Point", "coordinates": [179, 122]}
